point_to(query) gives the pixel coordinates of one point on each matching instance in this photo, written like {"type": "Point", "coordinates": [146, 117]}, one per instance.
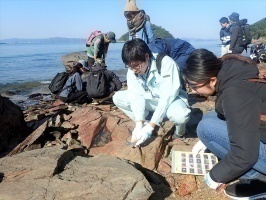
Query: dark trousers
{"type": "Point", "coordinates": [76, 97]}
{"type": "Point", "coordinates": [90, 62]}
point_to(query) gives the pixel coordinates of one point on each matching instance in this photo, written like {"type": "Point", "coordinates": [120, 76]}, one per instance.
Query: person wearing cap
{"type": "Point", "coordinates": [225, 35]}
{"type": "Point", "coordinates": [236, 34]}
{"type": "Point", "coordinates": [151, 91]}
{"type": "Point", "coordinates": [138, 22]}
{"type": "Point", "coordinates": [73, 90]}
{"type": "Point", "coordinates": [99, 47]}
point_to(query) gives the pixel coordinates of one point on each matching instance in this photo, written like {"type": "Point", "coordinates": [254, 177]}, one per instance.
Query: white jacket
{"type": "Point", "coordinates": [164, 87]}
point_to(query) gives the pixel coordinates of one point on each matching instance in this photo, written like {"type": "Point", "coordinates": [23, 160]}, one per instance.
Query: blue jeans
{"type": "Point", "coordinates": [214, 135]}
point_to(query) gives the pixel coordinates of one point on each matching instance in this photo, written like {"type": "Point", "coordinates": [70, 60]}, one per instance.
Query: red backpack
{"type": "Point", "coordinates": [92, 36]}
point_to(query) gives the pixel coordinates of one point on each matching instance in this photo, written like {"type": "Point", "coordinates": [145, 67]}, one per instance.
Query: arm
{"type": "Point", "coordinates": [149, 31]}
{"type": "Point", "coordinates": [116, 81]}
{"type": "Point", "coordinates": [242, 114]}
{"type": "Point", "coordinates": [135, 93]}
{"type": "Point", "coordinates": [78, 81]}
{"type": "Point", "coordinates": [169, 88]}
{"type": "Point", "coordinates": [234, 36]}
{"type": "Point", "coordinates": [96, 47]}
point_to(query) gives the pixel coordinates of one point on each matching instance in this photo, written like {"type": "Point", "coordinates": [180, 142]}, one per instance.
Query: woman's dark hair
{"type": "Point", "coordinates": [201, 65]}
{"type": "Point", "coordinates": [135, 50]}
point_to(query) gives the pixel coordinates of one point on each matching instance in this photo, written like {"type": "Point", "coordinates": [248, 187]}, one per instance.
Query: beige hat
{"type": "Point", "coordinates": [131, 6]}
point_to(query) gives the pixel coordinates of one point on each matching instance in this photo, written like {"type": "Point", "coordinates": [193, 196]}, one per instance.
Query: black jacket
{"type": "Point", "coordinates": [239, 102]}
{"type": "Point", "coordinates": [237, 36]}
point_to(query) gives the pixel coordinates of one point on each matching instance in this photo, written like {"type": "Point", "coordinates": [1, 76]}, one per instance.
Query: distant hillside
{"type": "Point", "coordinates": [258, 29]}
{"type": "Point", "coordinates": [47, 40]}
{"type": "Point", "coordinates": [158, 32]}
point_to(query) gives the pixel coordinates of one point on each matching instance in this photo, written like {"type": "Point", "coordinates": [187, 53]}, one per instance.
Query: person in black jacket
{"type": "Point", "coordinates": [237, 33]}
{"type": "Point", "coordinates": [236, 133]}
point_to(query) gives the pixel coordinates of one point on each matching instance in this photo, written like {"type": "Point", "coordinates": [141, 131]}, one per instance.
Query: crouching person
{"type": "Point", "coordinates": [236, 132]}
{"type": "Point", "coordinates": [149, 91]}
{"type": "Point", "coordinates": [73, 91]}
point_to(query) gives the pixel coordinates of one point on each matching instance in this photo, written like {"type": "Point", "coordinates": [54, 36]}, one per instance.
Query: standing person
{"type": "Point", "coordinates": [237, 37]}
{"type": "Point", "coordinates": [138, 22]}
{"type": "Point", "coordinates": [99, 47]}
{"type": "Point", "coordinates": [225, 35]}
{"type": "Point", "coordinates": [149, 91]}
{"type": "Point", "coordinates": [73, 90]}
{"type": "Point", "coordinates": [236, 133]}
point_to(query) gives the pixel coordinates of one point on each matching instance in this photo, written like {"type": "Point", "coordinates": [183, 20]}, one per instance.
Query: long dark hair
{"type": "Point", "coordinates": [201, 65]}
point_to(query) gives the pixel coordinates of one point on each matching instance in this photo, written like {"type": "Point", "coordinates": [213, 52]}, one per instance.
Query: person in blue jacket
{"type": "Point", "coordinates": [177, 49]}
{"type": "Point", "coordinates": [225, 35]}
{"type": "Point", "coordinates": [149, 91]}
{"type": "Point", "coordinates": [73, 90]}
{"type": "Point", "coordinates": [138, 22]}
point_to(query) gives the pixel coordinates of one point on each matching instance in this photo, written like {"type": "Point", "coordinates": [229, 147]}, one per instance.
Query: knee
{"type": "Point", "coordinates": [116, 98]}
{"type": "Point", "coordinates": [120, 98]}
{"type": "Point", "coordinates": [180, 116]}
{"type": "Point", "coordinates": [202, 127]}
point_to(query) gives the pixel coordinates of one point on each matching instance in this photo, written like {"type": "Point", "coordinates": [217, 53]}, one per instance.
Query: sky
{"type": "Point", "coordinates": [38, 19]}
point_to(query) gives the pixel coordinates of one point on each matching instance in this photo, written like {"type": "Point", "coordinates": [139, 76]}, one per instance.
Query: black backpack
{"type": "Point", "coordinates": [159, 59]}
{"type": "Point", "coordinates": [97, 85]}
{"type": "Point", "coordinates": [246, 38]}
{"type": "Point", "coordinates": [58, 82]}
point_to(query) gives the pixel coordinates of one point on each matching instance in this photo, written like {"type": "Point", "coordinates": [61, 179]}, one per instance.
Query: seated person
{"type": "Point", "coordinates": [73, 90]}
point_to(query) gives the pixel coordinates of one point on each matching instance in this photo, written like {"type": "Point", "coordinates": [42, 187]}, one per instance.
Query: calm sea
{"type": "Point", "coordinates": [25, 67]}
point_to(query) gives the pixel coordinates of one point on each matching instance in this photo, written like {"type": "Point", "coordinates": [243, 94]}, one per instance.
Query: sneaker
{"type": "Point", "coordinates": [252, 189]}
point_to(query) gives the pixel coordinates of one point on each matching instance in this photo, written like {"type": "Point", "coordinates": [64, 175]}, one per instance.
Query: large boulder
{"type": "Point", "coordinates": [73, 57]}
{"type": "Point", "coordinates": [53, 173]}
{"type": "Point", "coordinates": [12, 124]}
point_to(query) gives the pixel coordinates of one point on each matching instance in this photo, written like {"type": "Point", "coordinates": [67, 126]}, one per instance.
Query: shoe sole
{"type": "Point", "coordinates": [259, 196]}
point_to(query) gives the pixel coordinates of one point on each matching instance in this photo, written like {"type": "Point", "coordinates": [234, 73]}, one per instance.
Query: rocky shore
{"type": "Point", "coordinates": [54, 150]}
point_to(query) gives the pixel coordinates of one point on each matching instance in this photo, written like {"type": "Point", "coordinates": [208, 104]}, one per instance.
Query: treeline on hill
{"type": "Point", "coordinates": [158, 32]}
{"type": "Point", "coordinates": [258, 29]}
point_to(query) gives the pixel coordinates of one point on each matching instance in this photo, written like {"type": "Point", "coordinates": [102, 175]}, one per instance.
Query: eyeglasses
{"type": "Point", "coordinates": [197, 86]}
{"type": "Point", "coordinates": [137, 66]}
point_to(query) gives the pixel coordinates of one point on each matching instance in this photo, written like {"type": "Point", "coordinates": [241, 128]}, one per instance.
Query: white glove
{"type": "Point", "coordinates": [211, 183]}
{"type": "Point", "coordinates": [136, 132]}
{"type": "Point", "coordinates": [145, 133]}
{"type": "Point", "coordinates": [199, 147]}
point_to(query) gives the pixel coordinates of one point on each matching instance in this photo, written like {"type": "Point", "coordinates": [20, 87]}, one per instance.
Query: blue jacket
{"type": "Point", "coordinates": [177, 49]}
{"type": "Point", "coordinates": [73, 82]}
{"type": "Point", "coordinates": [225, 35]}
{"type": "Point", "coordinates": [141, 33]}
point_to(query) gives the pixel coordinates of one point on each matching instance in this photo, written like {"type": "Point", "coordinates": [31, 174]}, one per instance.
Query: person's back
{"type": "Point", "coordinates": [177, 49]}
{"type": "Point", "coordinates": [237, 33]}
{"type": "Point", "coordinates": [99, 47]}
{"type": "Point", "coordinates": [138, 22]}
{"type": "Point", "coordinates": [73, 90]}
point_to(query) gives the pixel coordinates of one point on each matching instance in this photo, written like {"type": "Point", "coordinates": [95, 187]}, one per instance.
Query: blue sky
{"type": "Point", "coordinates": [31, 19]}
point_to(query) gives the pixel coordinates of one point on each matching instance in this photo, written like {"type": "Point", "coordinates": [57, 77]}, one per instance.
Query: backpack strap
{"type": "Point", "coordinates": [168, 46]}
{"type": "Point", "coordinates": [145, 32]}
{"type": "Point", "coordinates": [257, 80]}
{"type": "Point", "coordinates": [159, 59]}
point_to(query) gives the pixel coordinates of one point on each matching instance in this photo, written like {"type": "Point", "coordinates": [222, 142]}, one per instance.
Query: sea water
{"type": "Point", "coordinates": [25, 67]}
